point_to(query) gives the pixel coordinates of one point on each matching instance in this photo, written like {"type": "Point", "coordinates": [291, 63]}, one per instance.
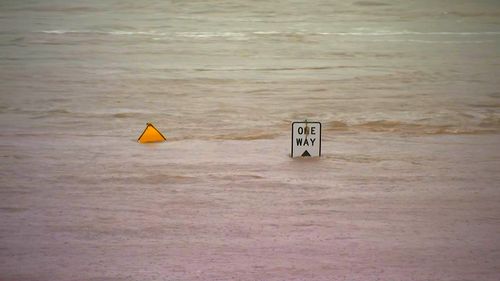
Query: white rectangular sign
{"type": "Point", "coordinates": [306, 139]}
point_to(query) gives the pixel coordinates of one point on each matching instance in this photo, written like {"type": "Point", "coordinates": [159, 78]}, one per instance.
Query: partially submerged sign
{"type": "Point", "coordinates": [306, 139]}
{"type": "Point", "coordinates": [151, 134]}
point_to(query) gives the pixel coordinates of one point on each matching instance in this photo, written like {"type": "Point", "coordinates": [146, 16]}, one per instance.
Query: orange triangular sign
{"type": "Point", "coordinates": [151, 134]}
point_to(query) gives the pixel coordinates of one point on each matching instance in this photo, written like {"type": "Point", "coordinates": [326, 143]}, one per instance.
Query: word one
{"type": "Point", "coordinates": [306, 139]}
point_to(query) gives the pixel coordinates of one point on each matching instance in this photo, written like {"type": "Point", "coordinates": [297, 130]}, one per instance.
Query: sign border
{"type": "Point", "coordinates": [320, 133]}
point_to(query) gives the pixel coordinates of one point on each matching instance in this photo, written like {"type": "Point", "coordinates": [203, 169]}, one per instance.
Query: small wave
{"type": "Point", "coordinates": [435, 41]}
{"type": "Point", "coordinates": [266, 68]}
{"type": "Point", "coordinates": [396, 126]}
{"type": "Point", "coordinates": [266, 32]}
{"type": "Point", "coordinates": [370, 3]}
{"type": "Point", "coordinates": [233, 35]}
{"type": "Point", "coordinates": [236, 135]}
{"type": "Point", "coordinates": [152, 179]}
{"type": "Point", "coordinates": [239, 177]}
{"type": "Point", "coordinates": [59, 111]}
{"type": "Point", "coordinates": [40, 114]}
{"type": "Point", "coordinates": [59, 8]}
{"type": "Point", "coordinates": [208, 35]}
{"type": "Point", "coordinates": [493, 13]}
{"type": "Point", "coordinates": [377, 33]}
{"type": "Point", "coordinates": [156, 35]}
{"type": "Point", "coordinates": [100, 32]}
{"type": "Point", "coordinates": [337, 126]}
{"type": "Point", "coordinates": [486, 105]}
{"type": "Point", "coordinates": [390, 33]}
{"type": "Point", "coordinates": [490, 122]}
{"type": "Point", "coordinates": [127, 114]}
{"type": "Point", "coordinates": [247, 136]}
{"type": "Point", "coordinates": [48, 113]}
{"type": "Point", "coordinates": [487, 125]}
{"type": "Point", "coordinates": [64, 31]}
{"type": "Point", "coordinates": [121, 32]}
{"type": "Point", "coordinates": [4, 108]}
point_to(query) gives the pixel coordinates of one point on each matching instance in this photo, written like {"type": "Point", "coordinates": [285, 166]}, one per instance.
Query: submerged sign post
{"type": "Point", "coordinates": [306, 139]}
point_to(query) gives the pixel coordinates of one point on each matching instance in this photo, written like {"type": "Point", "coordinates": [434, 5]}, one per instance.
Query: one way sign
{"type": "Point", "coordinates": [306, 139]}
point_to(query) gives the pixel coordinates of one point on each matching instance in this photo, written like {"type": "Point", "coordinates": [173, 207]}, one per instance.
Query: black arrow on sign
{"type": "Point", "coordinates": [306, 153]}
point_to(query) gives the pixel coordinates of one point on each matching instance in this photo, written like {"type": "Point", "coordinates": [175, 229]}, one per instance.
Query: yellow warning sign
{"type": "Point", "coordinates": [151, 134]}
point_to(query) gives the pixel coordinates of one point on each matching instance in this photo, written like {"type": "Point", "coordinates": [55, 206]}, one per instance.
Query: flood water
{"type": "Point", "coordinates": [406, 188]}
